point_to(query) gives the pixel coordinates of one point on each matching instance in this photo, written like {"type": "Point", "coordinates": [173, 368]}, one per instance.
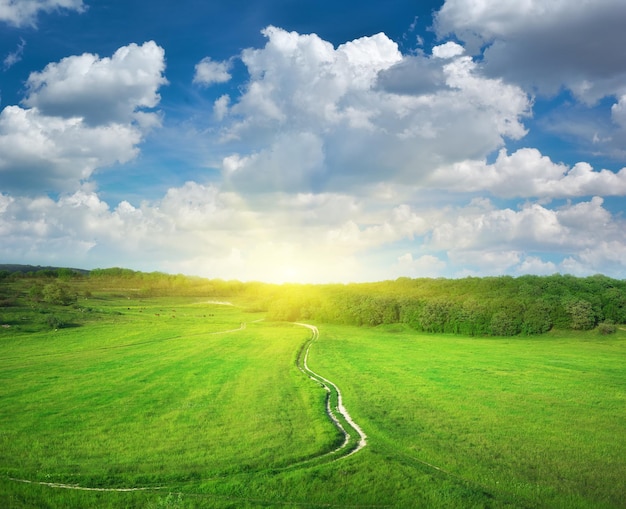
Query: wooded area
{"type": "Point", "coordinates": [498, 306]}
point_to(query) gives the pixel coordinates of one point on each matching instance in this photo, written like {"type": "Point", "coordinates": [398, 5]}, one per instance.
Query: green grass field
{"type": "Point", "coordinates": [177, 397]}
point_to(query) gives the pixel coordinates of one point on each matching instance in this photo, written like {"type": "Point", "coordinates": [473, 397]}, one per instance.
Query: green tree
{"type": "Point", "coordinates": [581, 314]}
{"type": "Point", "coordinates": [65, 274]}
{"type": "Point", "coordinates": [504, 323]}
{"type": "Point", "coordinates": [35, 292]}
{"type": "Point", "coordinates": [435, 314]}
{"type": "Point", "coordinates": [58, 294]}
{"type": "Point", "coordinates": [537, 318]}
{"type": "Point", "coordinates": [614, 305]}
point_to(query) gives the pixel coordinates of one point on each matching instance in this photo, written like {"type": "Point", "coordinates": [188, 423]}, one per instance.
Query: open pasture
{"type": "Point", "coordinates": [204, 406]}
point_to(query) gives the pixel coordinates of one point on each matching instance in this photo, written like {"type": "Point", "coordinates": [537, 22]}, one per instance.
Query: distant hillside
{"type": "Point", "coordinates": [497, 306]}
{"type": "Point", "coordinates": [13, 267]}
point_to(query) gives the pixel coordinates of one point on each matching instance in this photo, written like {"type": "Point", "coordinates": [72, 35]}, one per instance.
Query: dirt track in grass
{"type": "Point", "coordinates": [347, 447]}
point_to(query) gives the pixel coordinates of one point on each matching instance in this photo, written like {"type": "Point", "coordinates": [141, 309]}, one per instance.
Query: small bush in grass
{"type": "Point", "coordinates": [607, 327]}
{"type": "Point", "coordinates": [54, 322]}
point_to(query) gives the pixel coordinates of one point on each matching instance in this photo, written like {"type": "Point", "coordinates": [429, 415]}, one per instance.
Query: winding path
{"type": "Point", "coordinates": [329, 386]}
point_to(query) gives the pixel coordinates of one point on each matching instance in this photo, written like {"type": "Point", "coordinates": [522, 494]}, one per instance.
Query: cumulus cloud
{"type": "Point", "coordinates": [24, 12]}
{"type": "Point", "coordinates": [220, 107]}
{"type": "Point", "coordinates": [481, 239]}
{"type": "Point", "coordinates": [84, 113]}
{"type": "Point", "coordinates": [99, 90]}
{"type": "Point", "coordinates": [82, 218]}
{"type": "Point", "coordinates": [196, 228]}
{"type": "Point", "coordinates": [527, 173]}
{"type": "Point", "coordinates": [535, 265]}
{"type": "Point", "coordinates": [533, 228]}
{"type": "Point", "coordinates": [205, 230]}
{"type": "Point", "coordinates": [209, 72]}
{"type": "Point", "coordinates": [618, 112]}
{"type": "Point", "coordinates": [39, 153]}
{"type": "Point", "coordinates": [352, 123]}
{"type": "Point", "coordinates": [448, 50]}
{"type": "Point", "coordinates": [544, 45]}
{"type": "Point", "coordinates": [272, 167]}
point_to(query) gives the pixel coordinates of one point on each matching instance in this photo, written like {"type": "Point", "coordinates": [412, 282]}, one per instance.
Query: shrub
{"type": "Point", "coordinates": [54, 322]}
{"type": "Point", "coordinates": [537, 318]}
{"type": "Point", "coordinates": [607, 327]}
{"type": "Point", "coordinates": [504, 324]}
{"type": "Point", "coordinates": [581, 314]}
{"type": "Point", "coordinates": [58, 294]}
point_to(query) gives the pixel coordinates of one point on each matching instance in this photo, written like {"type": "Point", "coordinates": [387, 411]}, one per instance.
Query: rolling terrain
{"type": "Point", "coordinates": [143, 401]}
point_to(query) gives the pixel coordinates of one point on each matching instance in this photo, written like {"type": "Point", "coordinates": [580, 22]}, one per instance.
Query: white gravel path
{"type": "Point", "coordinates": [341, 409]}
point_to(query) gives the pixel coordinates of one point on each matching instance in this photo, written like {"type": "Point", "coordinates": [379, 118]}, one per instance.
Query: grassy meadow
{"type": "Point", "coordinates": [203, 405]}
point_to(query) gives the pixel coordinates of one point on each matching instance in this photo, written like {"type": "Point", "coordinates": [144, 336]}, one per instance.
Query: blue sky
{"type": "Point", "coordinates": [314, 141]}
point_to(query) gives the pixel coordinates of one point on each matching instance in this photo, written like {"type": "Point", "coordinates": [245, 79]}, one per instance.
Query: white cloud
{"type": "Point", "coordinates": [533, 229]}
{"type": "Point", "coordinates": [618, 112]}
{"type": "Point", "coordinates": [343, 107]}
{"type": "Point", "coordinates": [24, 12]}
{"type": "Point", "coordinates": [545, 45]}
{"type": "Point", "coordinates": [100, 90]}
{"type": "Point", "coordinates": [15, 56]}
{"type": "Point", "coordinates": [220, 107]}
{"type": "Point", "coordinates": [202, 229]}
{"type": "Point", "coordinates": [448, 50]}
{"type": "Point", "coordinates": [39, 153]}
{"type": "Point", "coordinates": [535, 265]}
{"type": "Point", "coordinates": [528, 173]}
{"type": "Point", "coordinates": [370, 229]}
{"type": "Point", "coordinates": [273, 167]}
{"type": "Point", "coordinates": [209, 72]}
{"type": "Point", "coordinates": [198, 228]}
{"type": "Point", "coordinates": [84, 113]}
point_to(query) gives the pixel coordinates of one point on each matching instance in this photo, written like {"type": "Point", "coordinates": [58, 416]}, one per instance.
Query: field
{"type": "Point", "coordinates": [203, 405]}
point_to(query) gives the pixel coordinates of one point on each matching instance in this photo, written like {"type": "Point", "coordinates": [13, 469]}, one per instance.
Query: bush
{"type": "Point", "coordinates": [54, 322]}
{"type": "Point", "coordinates": [505, 324]}
{"type": "Point", "coordinates": [607, 327]}
{"type": "Point", "coordinates": [58, 294]}
{"type": "Point", "coordinates": [581, 314]}
{"type": "Point", "coordinates": [537, 319]}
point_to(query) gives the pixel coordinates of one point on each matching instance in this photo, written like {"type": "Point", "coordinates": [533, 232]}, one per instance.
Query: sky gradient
{"type": "Point", "coordinates": [314, 141]}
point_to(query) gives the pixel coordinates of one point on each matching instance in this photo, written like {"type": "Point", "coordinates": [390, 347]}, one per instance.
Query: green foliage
{"type": "Point", "coordinates": [66, 274]}
{"type": "Point", "coordinates": [502, 306]}
{"type": "Point", "coordinates": [54, 322]}
{"type": "Point", "coordinates": [58, 294]}
{"type": "Point", "coordinates": [35, 292]}
{"type": "Point", "coordinates": [504, 323]}
{"type": "Point", "coordinates": [582, 316]}
{"type": "Point", "coordinates": [607, 327]}
{"type": "Point", "coordinates": [536, 318]}
{"type": "Point", "coordinates": [435, 314]}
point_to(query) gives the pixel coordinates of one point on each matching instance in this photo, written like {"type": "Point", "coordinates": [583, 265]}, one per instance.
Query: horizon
{"type": "Point", "coordinates": [249, 281]}
{"type": "Point", "coordinates": [315, 142]}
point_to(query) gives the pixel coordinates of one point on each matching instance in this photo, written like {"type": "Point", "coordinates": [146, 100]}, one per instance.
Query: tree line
{"type": "Point", "coordinates": [499, 306]}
